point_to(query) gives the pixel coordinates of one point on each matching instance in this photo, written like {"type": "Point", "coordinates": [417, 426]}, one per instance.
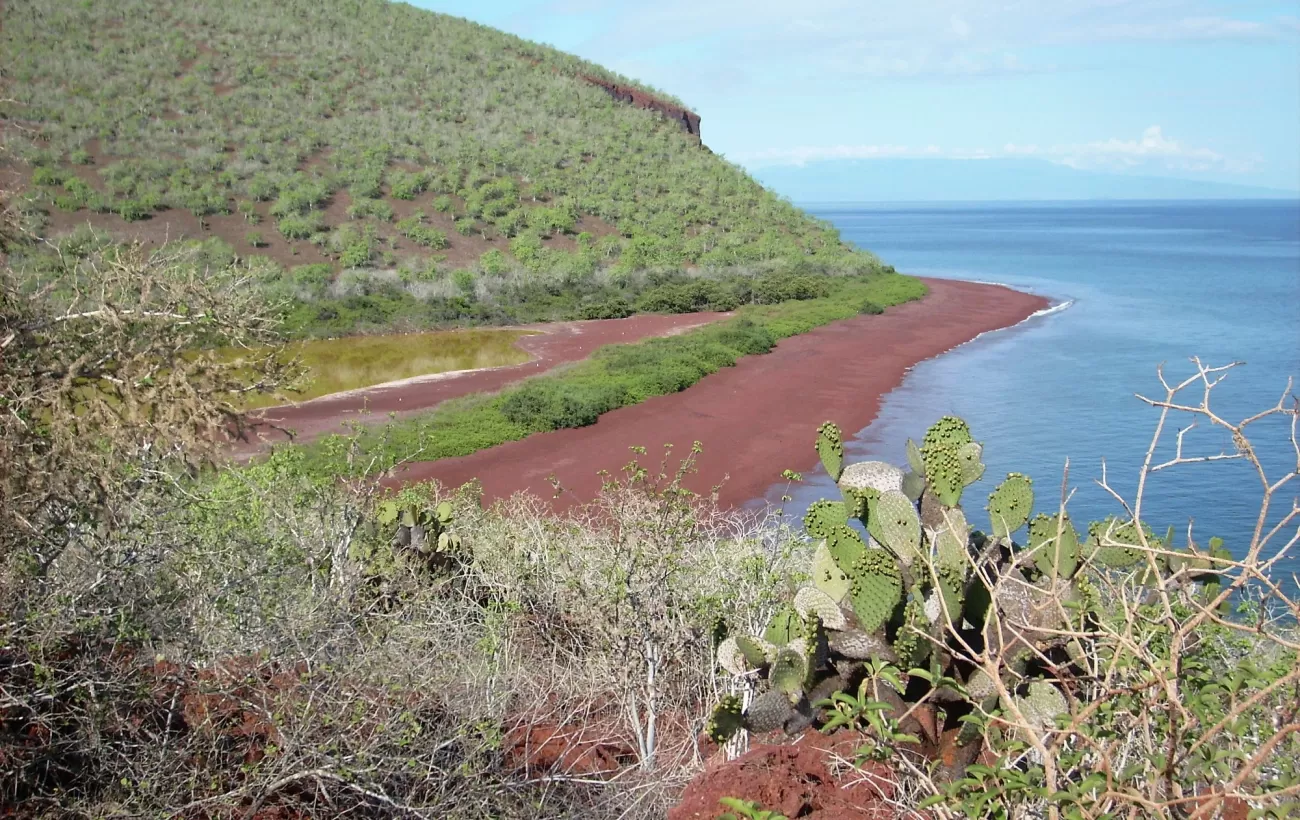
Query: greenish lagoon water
{"type": "Point", "coordinates": [335, 365]}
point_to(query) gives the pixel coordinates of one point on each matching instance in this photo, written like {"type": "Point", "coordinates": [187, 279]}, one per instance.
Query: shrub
{"type": "Point", "coordinates": [413, 228]}
{"type": "Point", "coordinates": [406, 185]}
{"type": "Point", "coordinates": [47, 175]}
{"type": "Point", "coordinates": [494, 263]}
{"type": "Point", "coordinates": [870, 308]}
{"type": "Point", "coordinates": [465, 226]}
{"type": "Point", "coordinates": [613, 308]}
{"type": "Point", "coordinates": [133, 210]}
{"type": "Point", "coordinates": [80, 156]}
{"type": "Point", "coordinates": [542, 405]}
{"type": "Point", "coordinates": [255, 239]}
{"type": "Point", "coordinates": [377, 208]}
{"type": "Point", "coordinates": [303, 226]}
{"type": "Point", "coordinates": [442, 204]}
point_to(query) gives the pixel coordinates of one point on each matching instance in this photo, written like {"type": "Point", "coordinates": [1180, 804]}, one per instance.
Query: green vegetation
{"type": "Point", "coordinates": [420, 148]}
{"type": "Point", "coordinates": [336, 365]}
{"type": "Point", "coordinates": [616, 376]}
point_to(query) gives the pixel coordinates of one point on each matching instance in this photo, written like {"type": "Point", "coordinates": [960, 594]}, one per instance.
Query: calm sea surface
{"type": "Point", "coordinates": [1134, 284]}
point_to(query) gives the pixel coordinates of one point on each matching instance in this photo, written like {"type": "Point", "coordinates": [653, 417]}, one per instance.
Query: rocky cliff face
{"type": "Point", "coordinates": [688, 120]}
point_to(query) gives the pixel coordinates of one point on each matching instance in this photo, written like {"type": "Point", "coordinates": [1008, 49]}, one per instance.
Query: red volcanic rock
{"type": "Point", "coordinates": [807, 779]}
{"type": "Point", "coordinates": [688, 120]}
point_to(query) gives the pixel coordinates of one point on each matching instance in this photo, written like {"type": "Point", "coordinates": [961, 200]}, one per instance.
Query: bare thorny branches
{"type": "Point", "coordinates": [1167, 735]}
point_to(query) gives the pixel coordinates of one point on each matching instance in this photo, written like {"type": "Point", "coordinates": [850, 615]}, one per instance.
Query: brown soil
{"type": "Point", "coordinates": [755, 419]}
{"type": "Point", "coordinates": [556, 344]}
{"type": "Point", "coordinates": [810, 777]}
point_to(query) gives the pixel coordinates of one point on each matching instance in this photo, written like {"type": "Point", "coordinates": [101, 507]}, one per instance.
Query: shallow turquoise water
{"type": "Point", "coordinates": [1136, 285]}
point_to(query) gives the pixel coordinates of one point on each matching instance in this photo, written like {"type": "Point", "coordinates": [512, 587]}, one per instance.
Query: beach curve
{"type": "Point", "coordinates": [752, 420]}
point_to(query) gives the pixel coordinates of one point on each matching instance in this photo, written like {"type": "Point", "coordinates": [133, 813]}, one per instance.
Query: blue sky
{"type": "Point", "coordinates": [1196, 89]}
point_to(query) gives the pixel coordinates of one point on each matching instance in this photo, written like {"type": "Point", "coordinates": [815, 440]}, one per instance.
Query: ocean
{"type": "Point", "coordinates": [1132, 285]}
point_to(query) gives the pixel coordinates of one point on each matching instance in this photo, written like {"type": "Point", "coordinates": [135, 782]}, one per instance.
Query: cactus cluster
{"type": "Point", "coordinates": [426, 530]}
{"type": "Point", "coordinates": [922, 586]}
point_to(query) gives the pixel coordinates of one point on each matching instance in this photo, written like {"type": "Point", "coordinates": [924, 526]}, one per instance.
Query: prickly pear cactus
{"type": "Point", "coordinates": [914, 459]}
{"type": "Point", "coordinates": [913, 486]}
{"type": "Point", "coordinates": [823, 516]}
{"type": "Point", "coordinates": [811, 602]}
{"type": "Point", "coordinates": [830, 448]}
{"type": "Point", "coordinates": [1055, 545]}
{"type": "Point", "coordinates": [875, 588]}
{"type": "Point", "coordinates": [912, 646]}
{"type": "Point", "coordinates": [769, 711]}
{"type": "Point", "coordinates": [949, 431]}
{"type": "Point", "coordinates": [1010, 504]}
{"type": "Point", "coordinates": [784, 626]}
{"type": "Point", "coordinates": [972, 468]}
{"type": "Point", "coordinates": [845, 546]}
{"type": "Point", "coordinates": [1042, 704]}
{"type": "Point", "coordinates": [789, 670]}
{"type": "Point", "coordinates": [898, 526]}
{"type": "Point", "coordinates": [827, 575]}
{"type": "Point", "coordinates": [951, 539]}
{"type": "Point", "coordinates": [943, 474]}
{"type": "Point", "coordinates": [1117, 544]}
{"type": "Point", "coordinates": [880, 476]}
{"type": "Point", "coordinates": [726, 719]}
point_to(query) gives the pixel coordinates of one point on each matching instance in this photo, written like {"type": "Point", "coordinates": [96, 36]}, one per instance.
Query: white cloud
{"type": "Point", "coordinates": [1152, 149]}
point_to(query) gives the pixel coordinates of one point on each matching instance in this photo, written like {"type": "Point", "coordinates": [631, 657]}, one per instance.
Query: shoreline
{"type": "Point", "coordinates": [753, 420]}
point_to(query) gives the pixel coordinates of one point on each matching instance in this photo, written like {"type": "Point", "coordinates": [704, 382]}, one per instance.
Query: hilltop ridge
{"type": "Point", "coordinates": [372, 150]}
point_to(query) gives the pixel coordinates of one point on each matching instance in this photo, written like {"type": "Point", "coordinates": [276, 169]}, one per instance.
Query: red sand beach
{"type": "Point", "coordinates": [755, 419]}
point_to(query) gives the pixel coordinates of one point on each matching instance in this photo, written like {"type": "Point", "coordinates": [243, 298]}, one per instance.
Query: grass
{"type": "Point", "coordinates": [335, 365]}
{"type": "Point", "coordinates": [616, 376]}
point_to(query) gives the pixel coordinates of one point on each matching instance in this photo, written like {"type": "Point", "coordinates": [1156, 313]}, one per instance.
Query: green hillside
{"type": "Point", "coordinates": [390, 165]}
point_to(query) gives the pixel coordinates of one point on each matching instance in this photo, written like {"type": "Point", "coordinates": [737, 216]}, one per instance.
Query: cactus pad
{"type": "Point", "coordinates": [1053, 555]}
{"type": "Point", "coordinates": [913, 486]}
{"type": "Point", "coordinates": [949, 431]}
{"type": "Point", "coordinates": [1041, 705]}
{"type": "Point", "coordinates": [1116, 544]}
{"type": "Point", "coordinates": [726, 720]}
{"type": "Point", "coordinates": [823, 516]}
{"type": "Point", "coordinates": [911, 645]}
{"type": "Point", "coordinates": [788, 671]}
{"type": "Point", "coordinates": [951, 539]}
{"type": "Point", "coordinates": [899, 527]}
{"type": "Point", "coordinates": [972, 468]}
{"type": "Point", "coordinates": [860, 645]}
{"type": "Point", "coordinates": [784, 626]}
{"type": "Point", "coordinates": [875, 588]}
{"type": "Point", "coordinates": [1010, 504]}
{"type": "Point", "coordinates": [914, 459]}
{"type": "Point", "coordinates": [768, 712]}
{"type": "Point", "coordinates": [827, 575]}
{"type": "Point", "coordinates": [880, 476]}
{"type": "Point", "coordinates": [811, 602]}
{"type": "Point", "coordinates": [943, 474]}
{"type": "Point", "coordinates": [830, 447]}
{"type": "Point", "coordinates": [845, 546]}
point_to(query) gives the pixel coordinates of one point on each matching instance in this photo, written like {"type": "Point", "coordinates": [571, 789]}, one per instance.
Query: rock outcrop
{"type": "Point", "coordinates": [689, 121]}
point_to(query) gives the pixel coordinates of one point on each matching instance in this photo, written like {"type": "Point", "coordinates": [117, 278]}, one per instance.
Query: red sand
{"type": "Point", "coordinates": [755, 419]}
{"type": "Point", "coordinates": [556, 344]}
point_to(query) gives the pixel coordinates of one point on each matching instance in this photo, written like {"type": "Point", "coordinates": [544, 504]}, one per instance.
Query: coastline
{"type": "Point", "coordinates": [755, 419]}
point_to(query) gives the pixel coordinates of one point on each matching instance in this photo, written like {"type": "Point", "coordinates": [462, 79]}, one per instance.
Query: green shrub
{"type": "Point", "coordinates": [133, 210]}
{"type": "Point", "coordinates": [465, 226]}
{"type": "Point", "coordinates": [413, 228]}
{"type": "Point", "coordinates": [614, 308]}
{"type": "Point", "coordinates": [47, 175]}
{"type": "Point", "coordinates": [80, 156]}
{"type": "Point", "coordinates": [442, 204]}
{"type": "Point", "coordinates": [406, 185]}
{"type": "Point", "coordinates": [377, 208]}
{"type": "Point", "coordinates": [494, 263]}
{"type": "Point", "coordinates": [303, 226]}
{"type": "Point", "coordinates": [870, 308]}
{"type": "Point", "coordinates": [255, 239]}
{"type": "Point", "coordinates": [542, 405]}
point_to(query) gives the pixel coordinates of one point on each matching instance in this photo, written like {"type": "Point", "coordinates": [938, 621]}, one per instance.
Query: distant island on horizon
{"type": "Point", "coordinates": [986, 180]}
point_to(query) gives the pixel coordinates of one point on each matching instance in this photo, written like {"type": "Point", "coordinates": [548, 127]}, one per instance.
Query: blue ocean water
{"type": "Point", "coordinates": [1135, 284]}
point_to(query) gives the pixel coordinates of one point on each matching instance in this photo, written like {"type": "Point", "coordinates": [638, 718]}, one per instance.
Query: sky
{"type": "Point", "coordinates": [1191, 89]}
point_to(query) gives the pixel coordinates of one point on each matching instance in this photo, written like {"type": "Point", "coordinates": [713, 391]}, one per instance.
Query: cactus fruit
{"type": "Point", "coordinates": [830, 447]}
{"type": "Point", "coordinates": [827, 575]}
{"type": "Point", "coordinates": [875, 588]}
{"type": "Point", "coordinates": [1054, 556]}
{"type": "Point", "coordinates": [913, 486]}
{"type": "Point", "coordinates": [784, 626]}
{"type": "Point", "coordinates": [943, 475]}
{"type": "Point", "coordinates": [972, 469]}
{"type": "Point", "coordinates": [768, 712]}
{"type": "Point", "coordinates": [823, 516]}
{"type": "Point", "coordinates": [845, 546]}
{"type": "Point", "coordinates": [788, 671]}
{"type": "Point", "coordinates": [880, 476]}
{"type": "Point", "coordinates": [726, 720]}
{"type": "Point", "coordinates": [899, 528]}
{"type": "Point", "coordinates": [1010, 504]}
{"type": "Point", "coordinates": [811, 602]}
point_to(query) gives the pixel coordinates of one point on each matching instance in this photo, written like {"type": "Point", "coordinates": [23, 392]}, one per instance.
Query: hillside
{"type": "Point", "coordinates": [390, 164]}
